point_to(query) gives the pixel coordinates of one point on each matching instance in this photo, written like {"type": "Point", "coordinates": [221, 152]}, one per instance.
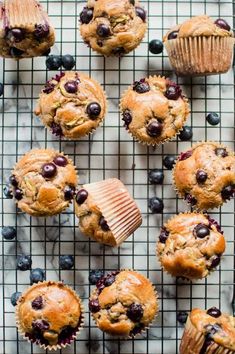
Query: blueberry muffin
{"type": "Point", "coordinates": [43, 182]}
{"type": "Point", "coordinates": [71, 105]}
{"type": "Point", "coordinates": [113, 27]}
{"type": "Point", "coordinates": [123, 303]}
{"type": "Point", "coordinates": [205, 175]}
{"type": "Point", "coordinates": [106, 212]}
{"type": "Point", "coordinates": [190, 245]}
{"type": "Point", "coordinates": [200, 46]}
{"type": "Point", "coordinates": [49, 314]}
{"type": "Point", "coordinates": [154, 110]}
{"type": "Point", "coordinates": [208, 332]}
{"type": "Point", "coordinates": [25, 29]}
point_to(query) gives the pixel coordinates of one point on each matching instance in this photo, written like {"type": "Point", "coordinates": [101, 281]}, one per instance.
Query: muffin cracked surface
{"type": "Point", "coordinates": [72, 105]}
{"type": "Point", "coordinates": [43, 182]}
{"type": "Point", "coordinates": [205, 175]}
{"type": "Point", "coordinates": [208, 331]}
{"type": "Point", "coordinates": [24, 33]}
{"type": "Point", "coordinates": [154, 110]}
{"type": "Point", "coordinates": [49, 314]}
{"type": "Point", "coordinates": [124, 303]}
{"type": "Point", "coordinates": [113, 27]}
{"type": "Point", "coordinates": [190, 245]}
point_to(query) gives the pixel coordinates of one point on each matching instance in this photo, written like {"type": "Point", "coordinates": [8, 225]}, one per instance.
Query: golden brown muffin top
{"type": "Point", "coordinates": [127, 303]}
{"type": "Point", "coordinates": [154, 109]}
{"type": "Point", "coordinates": [190, 245]}
{"type": "Point", "coordinates": [48, 307]}
{"type": "Point", "coordinates": [200, 26]}
{"type": "Point", "coordinates": [44, 192]}
{"type": "Point", "coordinates": [66, 105]}
{"type": "Point", "coordinates": [221, 329]}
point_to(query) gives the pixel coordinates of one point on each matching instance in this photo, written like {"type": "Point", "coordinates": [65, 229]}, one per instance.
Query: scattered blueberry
{"type": "Point", "coordinates": [40, 325]}
{"type": "Point", "coordinates": [17, 33]}
{"type": "Point", "coordinates": [15, 52]}
{"type": "Point", "coordinates": [185, 155]}
{"type": "Point", "coordinates": [213, 118]}
{"type": "Point", "coordinates": [37, 303]}
{"type": "Point", "coordinates": [201, 231]}
{"type": "Point", "coordinates": [95, 275]}
{"type": "Point", "coordinates": [155, 46]}
{"type": "Point", "coordinates": [154, 129]}
{"type": "Point", "coordinates": [221, 152]}
{"type": "Point", "coordinates": [15, 297]}
{"type": "Point", "coordinates": [1, 89]}
{"type": "Point", "coordinates": [8, 232]}
{"type": "Point", "coordinates": [69, 193]}
{"type": "Point", "coordinates": [222, 24]}
{"type": "Point", "coordinates": [169, 161]}
{"type": "Point", "coordinates": [155, 176]}
{"type": "Point", "coordinates": [214, 312]}
{"type": "Point", "coordinates": [173, 91]}
{"type": "Point", "coordinates": [103, 224]}
{"type": "Point", "coordinates": [41, 31]}
{"type": "Point", "coordinates": [86, 15]}
{"type": "Point", "coordinates": [60, 160]}
{"type": "Point", "coordinates": [53, 62]}
{"type": "Point", "coordinates": [37, 275]}
{"type": "Point", "coordinates": [24, 262]}
{"type": "Point", "coordinates": [156, 205]}
{"type": "Point", "coordinates": [71, 86]}
{"type": "Point", "coordinates": [182, 317]}
{"type": "Point", "coordinates": [186, 133]}
{"type": "Point", "coordinates": [201, 176]}
{"type": "Point", "coordinates": [68, 61]}
{"type": "Point", "coordinates": [8, 192]}
{"type": "Point", "coordinates": [215, 261]}
{"type": "Point", "coordinates": [56, 129]}
{"type": "Point", "coordinates": [13, 181]}
{"type": "Point", "coordinates": [109, 280]}
{"type": "Point", "coordinates": [93, 110]}
{"type": "Point", "coordinates": [66, 262]}
{"type": "Point", "coordinates": [135, 312]}
{"type": "Point", "coordinates": [163, 235]}
{"type": "Point", "coordinates": [141, 13]}
{"type": "Point", "coordinates": [228, 192]}
{"type": "Point", "coordinates": [127, 118]}
{"type": "Point", "coordinates": [48, 170]}
{"type": "Point", "coordinates": [18, 194]}
{"type": "Point", "coordinates": [173, 35]}
{"type": "Point", "coordinates": [141, 86]}
{"type": "Point", "coordinates": [103, 30]}
{"type": "Point", "coordinates": [190, 199]}
{"type": "Point", "coordinates": [81, 196]}
{"type": "Point", "coordinates": [94, 305]}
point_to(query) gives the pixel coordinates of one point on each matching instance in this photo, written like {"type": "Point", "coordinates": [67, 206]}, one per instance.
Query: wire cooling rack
{"type": "Point", "coordinates": [110, 152]}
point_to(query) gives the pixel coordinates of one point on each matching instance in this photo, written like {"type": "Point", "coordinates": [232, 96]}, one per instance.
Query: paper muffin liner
{"type": "Point", "coordinates": [159, 143]}
{"type": "Point", "coordinates": [200, 55]}
{"type": "Point", "coordinates": [193, 341]}
{"type": "Point", "coordinates": [181, 195]}
{"type": "Point", "coordinates": [116, 205]}
{"type": "Point", "coordinates": [144, 329]}
{"type": "Point", "coordinates": [37, 342]}
{"type": "Point", "coordinates": [210, 270]}
{"type": "Point", "coordinates": [31, 12]}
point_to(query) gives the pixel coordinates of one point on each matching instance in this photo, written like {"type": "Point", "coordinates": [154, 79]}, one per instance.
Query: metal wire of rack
{"type": "Point", "coordinates": [111, 153]}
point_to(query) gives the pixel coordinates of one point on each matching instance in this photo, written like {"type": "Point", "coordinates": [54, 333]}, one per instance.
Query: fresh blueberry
{"type": "Point", "coordinates": [37, 275]}
{"type": "Point", "coordinates": [103, 224]}
{"type": "Point", "coordinates": [69, 193]}
{"type": "Point", "coordinates": [94, 305]}
{"type": "Point", "coordinates": [141, 86]}
{"type": "Point", "coordinates": [15, 297]}
{"type": "Point", "coordinates": [95, 275]}
{"type": "Point", "coordinates": [68, 61]}
{"type": "Point", "coordinates": [8, 192]}
{"type": "Point", "coordinates": [60, 160]}
{"type": "Point", "coordinates": [156, 205]}
{"type": "Point", "coordinates": [40, 325]}
{"type": "Point", "coordinates": [140, 12]}
{"type": "Point", "coordinates": [214, 312]}
{"type": "Point", "coordinates": [221, 152]}
{"type": "Point", "coordinates": [135, 312]}
{"type": "Point", "coordinates": [93, 110]}
{"type": "Point", "coordinates": [154, 129]}
{"type": "Point", "coordinates": [186, 133]}
{"type": "Point", "coordinates": [201, 176]}
{"type": "Point", "coordinates": [86, 15]}
{"type": "Point", "coordinates": [173, 35]}
{"type": "Point", "coordinates": [222, 24]}
{"type": "Point", "coordinates": [127, 118]}
{"type": "Point", "coordinates": [15, 52]}
{"type": "Point", "coordinates": [169, 161]}
{"type": "Point", "coordinates": [53, 62]}
{"type": "Point", "coordinates": [13, 181]}
{"type": "Point", "coordinates": [215, 261]}
{"type": "Point", "coordinates": [173, 92]}
{"type": "Point", "coordinates": [213, 118]}
{"type": "Point", "coordinates": [8, 232]}
{"type": "Point", "coordinates": [81, 196]}
{"type": "Point", "coordinates": [41, 31]}
{"type": "Point", "coordinates": [24, 262]}
{"type": "Point", "coordinates": [201, 231]}
{"type": "Point", "coordinates": [155, 176]}
{"type": "Point", "coordinates": [185, 155]}
{"type": "Point", "coordinates": [182, 317]}
{"type": "Point", "coordinates": [56, 128]}
{"type": "Point", "coordinates": [228, 192]}
{"type": "Point", "coordinates": [1, 89]}
{"type": "Point", "coordinates": [66, 262]}
{"type": "Point", "coordinates": [155, 46]}
{"type": "Point", "coordinates": [71, 86]}
{"type": "Point", "coordinates": [17, 33]}
{"type": "Point", "coordinates": [18, 194]}
{"type": "Point", "coordinates": [103, 30]}
{"type": "Point", "coordinates": [48, 170]}
{"type": "Point", "coordinates": [163, 235]}
{"type": "Point", "coordinates": [37, 303]}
